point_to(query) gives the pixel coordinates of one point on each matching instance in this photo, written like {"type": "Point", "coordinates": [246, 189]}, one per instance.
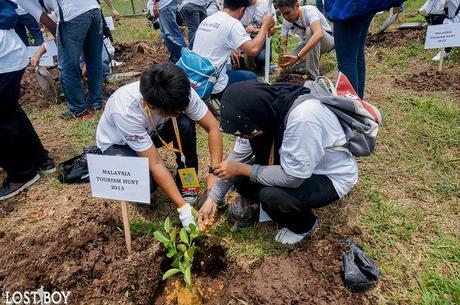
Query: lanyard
{"type": "Point", "coordinates": [271, 159]}
{"type": "Point", "coordinates": [176, 131]}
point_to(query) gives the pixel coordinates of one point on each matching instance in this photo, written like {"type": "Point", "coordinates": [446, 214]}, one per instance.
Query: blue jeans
{"type": "Point", "coordinates": [81, 35]}
{"type": "Point", "coordinates": [193, 15]}
{"type": "Point", "coordinates": [350, 40]}
{"type": "Point", "coordinates": [170, 31]}
{"type": "Point", "coordinates": [320, 6]}
{"type": "Point", "coordinates": [28, 22]}
{"type": "Point", "coordinates": [235, 76]}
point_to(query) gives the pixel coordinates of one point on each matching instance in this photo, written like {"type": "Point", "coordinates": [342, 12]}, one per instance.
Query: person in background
{"type": "Point", "coordinates": [252, 21]}
{"type": "Point", "coordinates": [320, 6]}
{"type": "Point", "coordinates": [291, 166]}
{"type": "Point", "coordinates": [311, 26]}
{"type": "Point", "coordinates": [222, 33]}
{"type": "Point", "coordinates": [166, 11]}
{"type": "Point", "coordinates": [80, 24]}
{"type": "Point", "coordinates": [212, 7]}
{"type": "Point", "coordinates": [193, 12]}
{"type": "Point", "coordinates": [138, 119]}
{"type": "Point", "coordinates": [22, 154]}
{"type": "Point", "coordinates": [350, 42]}
{"type": "Point", "coordinates": [28, 23]}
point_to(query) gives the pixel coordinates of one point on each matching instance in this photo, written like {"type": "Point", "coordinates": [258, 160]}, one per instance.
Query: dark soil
{"type": "Point", "coordinates": [84, 254]}
{"type": "Point", "coordinates": [395, 39]}
{"type": "Point", "coordinates": [138, 57]}
{"type": "Point", "coordinates": [291, 78]}
{"type": "Point", "coordinates": [433, 81]}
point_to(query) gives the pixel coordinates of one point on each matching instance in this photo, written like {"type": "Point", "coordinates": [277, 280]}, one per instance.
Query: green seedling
{"type": "Point", "coordinates": [181, 249]}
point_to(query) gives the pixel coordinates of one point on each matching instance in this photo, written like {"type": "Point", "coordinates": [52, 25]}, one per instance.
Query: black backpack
{"type": "Point", "coordinates": [75, 170]}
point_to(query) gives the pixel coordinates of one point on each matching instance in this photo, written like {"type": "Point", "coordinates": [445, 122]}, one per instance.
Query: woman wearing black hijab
{"type": "Point", "coordinates": [290, 164]}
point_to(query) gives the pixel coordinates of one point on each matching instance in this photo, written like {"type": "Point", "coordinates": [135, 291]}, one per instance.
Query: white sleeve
{"type": "Point", "coordinates": [196, 109]}
{"type": "Point", "coordinates": [32, 7]}
{"type": "Point", "coordinates": [133, 131]}
{"type": "Point", "coordinates": [310, 16]}
{"type": "Point", "coordinates": [285, 27]}
{"type": "Point", "coordinates": [237, 36]}
{"type": "Point", "coordinates": [302, 148]}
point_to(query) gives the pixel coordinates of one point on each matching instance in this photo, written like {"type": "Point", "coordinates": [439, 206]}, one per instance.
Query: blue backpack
{"type": "Point", "coordinates": [201, 72]}
{"type": "Point", "coordinates": [347, 10]}
{"type": "Point", "coordinates": [8, 15]}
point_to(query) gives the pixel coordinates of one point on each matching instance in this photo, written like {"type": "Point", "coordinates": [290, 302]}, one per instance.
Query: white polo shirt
{"type": "Point", "coordinates": [13, 52]}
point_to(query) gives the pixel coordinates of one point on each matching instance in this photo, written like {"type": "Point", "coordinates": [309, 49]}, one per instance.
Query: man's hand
{"type": "Point", "coordinates": [272, 32]}
{"type": "Point", "coordinates": [34, 61]}
{"type": "Point", "coordinates": [252, 30]}
{"type": "Point", "coordinates": [230, 169]}
{"type": "Point", "coordinates": [236, 58]}
{"type": "Point", "coordinates": [115, 15]}
{"type": "Point", "coordinates": [208, 212]}
{"type": "Point", "coordinates": [156, 9]}
{"type": "Point", "coordinates": [268, 22]}
{"type": "Point", "coordinates": [211, 180]}
{"type": "Point", "coordinates": [286, 61]}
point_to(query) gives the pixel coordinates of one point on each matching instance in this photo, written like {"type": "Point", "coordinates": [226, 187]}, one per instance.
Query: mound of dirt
{"type": "Point", "coordinates": [140, 56]}
{"type": "Point", "coordinates": [310, 274]}
{"type": "Point", "coordinates": [290, 78]}
{"type": "Point", "coordinates": [395, 39]}
{"type": "Point", "coordinates": [85, 254]}
{"type": "Point", "coordinates": [448, 80]}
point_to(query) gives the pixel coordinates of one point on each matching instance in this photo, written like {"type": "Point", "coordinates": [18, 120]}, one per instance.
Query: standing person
{"type": "Point", "coordinates": [291, 166]}
{"type": "Point", "coordinates": [311, 26]}
{"type": "Point", "coordinates": [222, 33]}
{"type": "Point", "coordinates": [79, 30]}
{"type": "Point", "coordinates": [252, 21]}
{"type": "Point", "coordinates": [22, 153]}
{"type": "Point", "coordinates": [28, 23]}
{"type": "Point", "coordinates": [137, 120]}
{"type": "Point", "coordinates": [193, 12]}
{"type": "Point", "coordinates": [166, 10]}
{"type": "Point", "coordinates": [350, 42]}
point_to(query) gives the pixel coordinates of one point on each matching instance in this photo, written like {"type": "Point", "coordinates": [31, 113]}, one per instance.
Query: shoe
{"type": "Point", "coordinates": [10, 189]}
{"type": "Point", "coordinates": [73, 115]}
{"type": "Point", "coordinates": [287, 237]}
{"type": "Point", "coordinates": [47, 166]}
{"type": "Point", "coordinates": [440, 55]}
{"type": "Point", "coordinates": [190, 196]}
{"type": "Point", "coordinates": [95, 111]}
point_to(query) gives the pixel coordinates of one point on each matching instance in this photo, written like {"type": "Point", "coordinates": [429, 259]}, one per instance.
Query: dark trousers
{"type": "Point", "coordinates": [193, 15]}
{"type": "Point", "coordinates": [21, 149]}
{"type": "Point", "coordinates": [291, 207]}
{"type": "Point", "coordinates": [187, 133]}
{"type": "Point", "coordinates": [28, 22]}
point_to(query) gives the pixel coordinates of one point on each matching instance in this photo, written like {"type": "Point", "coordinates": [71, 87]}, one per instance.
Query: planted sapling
{"type": "Point", "coordinates": [181, 250]}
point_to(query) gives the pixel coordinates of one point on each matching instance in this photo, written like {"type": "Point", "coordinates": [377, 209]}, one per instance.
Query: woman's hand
{"type": "Point", "coordinates": [208, 212]}
{"type": "Point", "coordinates": [287, 61]}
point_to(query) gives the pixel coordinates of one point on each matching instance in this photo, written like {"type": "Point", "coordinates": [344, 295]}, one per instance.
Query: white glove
{"type": "Point", "coordinates": [186, 217]}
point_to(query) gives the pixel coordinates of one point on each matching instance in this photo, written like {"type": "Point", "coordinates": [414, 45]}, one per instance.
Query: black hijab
{"type": "Point", "coordinates": [252, 105]}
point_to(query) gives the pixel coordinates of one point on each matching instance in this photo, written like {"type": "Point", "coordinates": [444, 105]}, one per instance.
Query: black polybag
{"type": "Point", "coordinates": [75, 170]}
{"type": "Point", "coordinates": [242, 212]}
{"type": "Point", "coordinates": [359, 270]}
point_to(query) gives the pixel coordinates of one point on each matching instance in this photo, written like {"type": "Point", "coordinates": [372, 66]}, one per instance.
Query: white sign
{"type": "Point", "coordinates": [443, 36]}
{"type": "Point", "coordinates": [119, 178]}
{"type": "Point", "coordinates": [49, 59]}
{"type": "Point", "coordinates": [110, 24]}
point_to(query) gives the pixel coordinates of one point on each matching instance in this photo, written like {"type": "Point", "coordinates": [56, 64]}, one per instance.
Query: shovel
{"type": "Point", "coordinates": [47, 84]}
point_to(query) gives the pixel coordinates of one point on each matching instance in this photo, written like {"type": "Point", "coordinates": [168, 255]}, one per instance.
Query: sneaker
{"type": "Point", "coordinates": [10, 189]}
{"type": "Point", "coordinates": [47, 167]}
{"type": "Point", "coordinates": [73, 115]}
{"type": "Point", "coordinates": [287, 237]}
{"type": "Point", "coordinates": [95, 111]}
{"type": "Point", "coordinates": [190, 196]}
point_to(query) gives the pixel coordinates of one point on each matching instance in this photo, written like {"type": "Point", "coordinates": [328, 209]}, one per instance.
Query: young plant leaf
{"type": "Point", "coordinates": [191, 252]}
{"type": "Point", "coordinates": [167, 225]}
{"type": "Point", "coordinates": [171, 253]}
{"type": "Point", "coordinates": [172, 235]}
{"type": "Point", "coordinates": [188, 278]}
{"type": "Point", "coordinates": [182, 247]}
{"type": "Point", "coordinates": [194, 235]}
{"type": "Point", "coordinates": [170, 273]}
{"type": "Point", "coordinates": [192, 227]}
{"type": "Point", "coordinates": [184, 236]}
{"type": "Point", "coordinates": [175, 263]}
{"type": "Point", "coordinates": [161, 237]}
{"type": "Point", "coordinates": [195, 213]}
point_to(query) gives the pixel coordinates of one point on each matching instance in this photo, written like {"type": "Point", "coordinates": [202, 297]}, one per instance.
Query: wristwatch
{"type": "Point", "coordinates": [210, 170]}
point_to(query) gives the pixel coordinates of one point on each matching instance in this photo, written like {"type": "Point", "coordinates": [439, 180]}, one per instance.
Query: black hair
{"type": "Point", "coordinates": [285, 3]}
{"type": "Point", "coordinates": [236, 4]}
{"type": "Point", "coordinates": [165, 87]}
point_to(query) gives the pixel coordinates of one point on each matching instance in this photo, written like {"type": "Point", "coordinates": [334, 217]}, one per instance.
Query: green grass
{"type": "Point", "coordinates": [124, 7]}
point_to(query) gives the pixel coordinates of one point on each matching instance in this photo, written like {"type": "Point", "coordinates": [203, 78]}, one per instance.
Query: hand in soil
{"type": "Point", "coordinates": [287, 61]}
{"type": "Point", "coordinates": [207, 214]}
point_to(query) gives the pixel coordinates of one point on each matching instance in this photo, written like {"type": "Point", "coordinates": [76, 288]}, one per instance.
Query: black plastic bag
{"type": "Point", "coordinates": [359, 270]}
{"type": "Point", "coordinates": [242, 212]}
{"type": "Point", "coordinates": [75, 170]}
